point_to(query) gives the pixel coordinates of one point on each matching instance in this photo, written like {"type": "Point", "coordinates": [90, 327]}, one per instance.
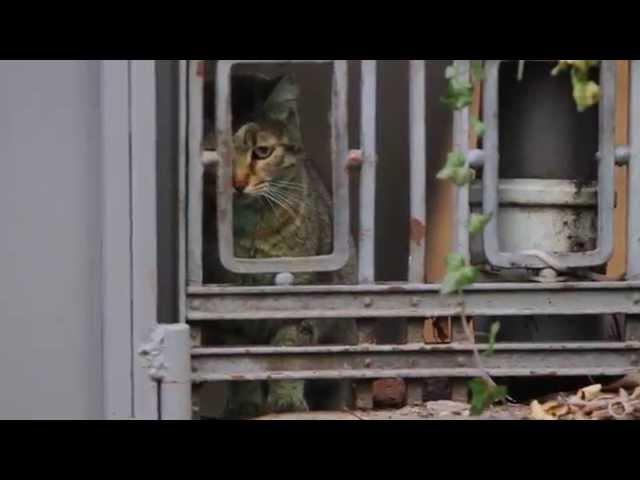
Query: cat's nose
{"type": "Point", "coordinates": [239, 185]}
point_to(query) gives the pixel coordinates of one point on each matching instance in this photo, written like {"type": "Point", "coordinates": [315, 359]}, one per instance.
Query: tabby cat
{"type": "Point", "coordinates": [281, 209]}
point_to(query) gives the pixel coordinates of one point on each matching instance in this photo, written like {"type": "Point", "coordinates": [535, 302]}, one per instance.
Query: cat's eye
{"type": "Point", "coordinates": [261, 152]}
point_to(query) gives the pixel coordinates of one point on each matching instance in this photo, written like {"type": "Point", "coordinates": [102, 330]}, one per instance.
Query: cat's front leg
{"type": "Point", "coordinates": [288, 395]}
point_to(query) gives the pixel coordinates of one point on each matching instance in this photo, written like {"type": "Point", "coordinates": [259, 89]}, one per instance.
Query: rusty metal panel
{"type": "Point", "coordinates": [339, 149]}
{"type": "Point", "coordinates": [633, 227]}
{"type": "Point", "coordinates": [490, 180]}
{"type": "Point", "coordinates": [413, 361]}
{"type": "Point", "coordinates": [416, 300]}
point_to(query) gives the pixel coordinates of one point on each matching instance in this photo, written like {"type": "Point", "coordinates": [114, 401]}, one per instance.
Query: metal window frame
{"type": "Point", "coordinates": [606, 179]}
{"type": "Point", "coordinates": [416, 300]}
{"type": "Point", "coordinates": [339, 152]}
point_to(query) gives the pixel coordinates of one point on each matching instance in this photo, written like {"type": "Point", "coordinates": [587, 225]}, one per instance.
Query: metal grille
{"type": "Point", "coordinates": [414, 300]}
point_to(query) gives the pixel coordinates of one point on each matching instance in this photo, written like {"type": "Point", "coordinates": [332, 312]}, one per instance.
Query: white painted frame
{"type": "Point", "coordinates": [129, 252]}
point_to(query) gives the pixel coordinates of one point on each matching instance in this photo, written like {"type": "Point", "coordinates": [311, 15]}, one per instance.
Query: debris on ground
{"type": "Point", "coordinates": [590, 403]}
{"type": "Point", "coordinates": [619, 400]}
{"type": "Point", "coordinates": [434, 410]}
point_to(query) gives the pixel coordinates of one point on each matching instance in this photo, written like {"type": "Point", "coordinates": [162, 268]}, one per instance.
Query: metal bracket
{"type": "Point", "coordinates": [606, 186]}
{"type": "Point", "coordinates": [167, 358]}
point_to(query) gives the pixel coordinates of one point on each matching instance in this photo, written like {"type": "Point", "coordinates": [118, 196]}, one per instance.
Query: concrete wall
{"type": "Point", "coordinates": [50, 326]}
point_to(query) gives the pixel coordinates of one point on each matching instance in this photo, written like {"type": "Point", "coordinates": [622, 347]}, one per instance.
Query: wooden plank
{"type": "Point", "coordinates": [617, 264]}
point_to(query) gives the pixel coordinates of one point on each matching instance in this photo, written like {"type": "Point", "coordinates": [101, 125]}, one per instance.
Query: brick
{"type": "Point", "coordinates": [389, 393]}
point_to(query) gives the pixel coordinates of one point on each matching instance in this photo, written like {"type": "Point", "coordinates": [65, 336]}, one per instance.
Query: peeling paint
{"type": "Point", "coordinates": [152, 353]}
{"type": "Point", "coordinates": [417, 231]}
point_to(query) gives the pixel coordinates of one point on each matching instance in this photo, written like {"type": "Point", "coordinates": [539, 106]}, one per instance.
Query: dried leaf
{"type": "Point", "coordinates": [538, 413]}
{"type": "Point", "coordinates": [590, 392]}
{"type": "Point", "coordinates": [559, 411]}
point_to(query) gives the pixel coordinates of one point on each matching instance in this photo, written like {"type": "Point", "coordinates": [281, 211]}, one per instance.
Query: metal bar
{"type": "Point", "coordinates": [175, 387]}
{"type": "Point", "coordinates": [418, 152]}
{"type": "Point", "coordinates": [116, 249]}
{"type": "Point", "coordinates": [339, 150]}
{"type": "Point", "coordinates": [195, 85]}
{"type": "Point", "coordinates": [606, 192]}
{"type": "Point", "coordinates": [144, 268]}
{"type": "Point", "coordinates": [361, 301]}
{"type": "Point", "coordinates": [413, 361]}
{"type": "Point", "coordinates": [461, 144]}
{"type": "Point", "coordinates": [567, 287]}
{"type": "Point", "coordinates": [633, 175]}
{"type": "Point", "coordinates": [366, 250]}
{"type": "Point", "coordinates": [183, 161]}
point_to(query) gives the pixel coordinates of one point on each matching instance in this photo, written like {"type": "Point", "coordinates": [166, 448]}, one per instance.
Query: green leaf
{"type": "Point", "coordinates": [484, 395]}
{"type": "Point", "coordinates": [477, 222]}
{"type": "Point", "coordinates": [459, 93]}
{"type": "Point", "coordinates": [478, 127]}
{"type": "Point", "coordinates": [477, 70]}
{"type": "Point", "coordinates": [456, 170]}
{"type": "Point", "coordinates": [457, 279]}
{"type": "Point", "coordinates": [450, 72]}
{"type": "Point", "coordinates": [454, 262]}
{"type": "Point", "coordinates": [585, 93]}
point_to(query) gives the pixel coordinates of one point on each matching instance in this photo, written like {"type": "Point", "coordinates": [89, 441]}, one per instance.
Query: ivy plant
{"type": "Point", "coordinates": [459, 273]}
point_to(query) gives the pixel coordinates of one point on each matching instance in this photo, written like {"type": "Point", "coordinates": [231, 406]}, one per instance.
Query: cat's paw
{"type": "Point", "coordinates": [287, 396]}
{"type": "Point", "coordinates": [284, 404]}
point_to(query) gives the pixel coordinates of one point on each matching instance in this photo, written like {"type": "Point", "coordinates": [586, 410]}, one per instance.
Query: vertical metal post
{"type": "Point", "coordinates": [183, 138]}
{"type": "Point", "coordinates": [459, 391]}
{"type": "Point", "coordinates": [418, 158]}
{"type": "Point", "coordinates": [366, 246]}
{"type": "Point", "coordinates": [633, 228]}
{"type": "Point", "coordinates": [461, 144]}
{"type": "Point", "coordinates": [195, 85]}
{"type": "Point", "coordinates": [144, 229]}
{"type": "Point", "coordinates": [175, 388]}
{"type": "Point", "coordinates": [116, 248]}
{"type": "Point", "coordinates": [366, 250]}
{"type": "Point", "coordinates": [418, 201]}
{"type": "Point", "coordinates": [632, 322]}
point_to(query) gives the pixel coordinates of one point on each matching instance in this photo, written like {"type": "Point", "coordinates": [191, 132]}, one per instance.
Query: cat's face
{"type": "Point", "coordinates": [268, 149]}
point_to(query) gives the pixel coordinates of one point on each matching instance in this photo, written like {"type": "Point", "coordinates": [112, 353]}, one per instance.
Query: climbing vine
{"type": "Point", "coordinates": [459, 272]}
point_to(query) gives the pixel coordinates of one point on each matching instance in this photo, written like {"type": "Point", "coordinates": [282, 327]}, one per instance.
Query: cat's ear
{"type": "Point", "coordinates": [285, 90]}
{"type": "Point", "coordinates": [282, 102]}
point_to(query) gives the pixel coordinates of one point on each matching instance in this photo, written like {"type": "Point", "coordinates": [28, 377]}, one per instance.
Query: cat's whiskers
{"type": "Point", "coordinates": [294, 199]}
{"type": "Point", "coordinates": [270, 195]}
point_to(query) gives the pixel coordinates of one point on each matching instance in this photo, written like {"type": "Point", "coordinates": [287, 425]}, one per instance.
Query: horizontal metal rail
{"type": "Point", "coordinates": [413, 361]}
{"type": "Point", "coordinates": [413, 300]}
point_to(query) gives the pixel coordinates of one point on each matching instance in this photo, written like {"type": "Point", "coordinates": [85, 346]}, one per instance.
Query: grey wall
{"type": "Point", "coordinates": [50, 331]}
